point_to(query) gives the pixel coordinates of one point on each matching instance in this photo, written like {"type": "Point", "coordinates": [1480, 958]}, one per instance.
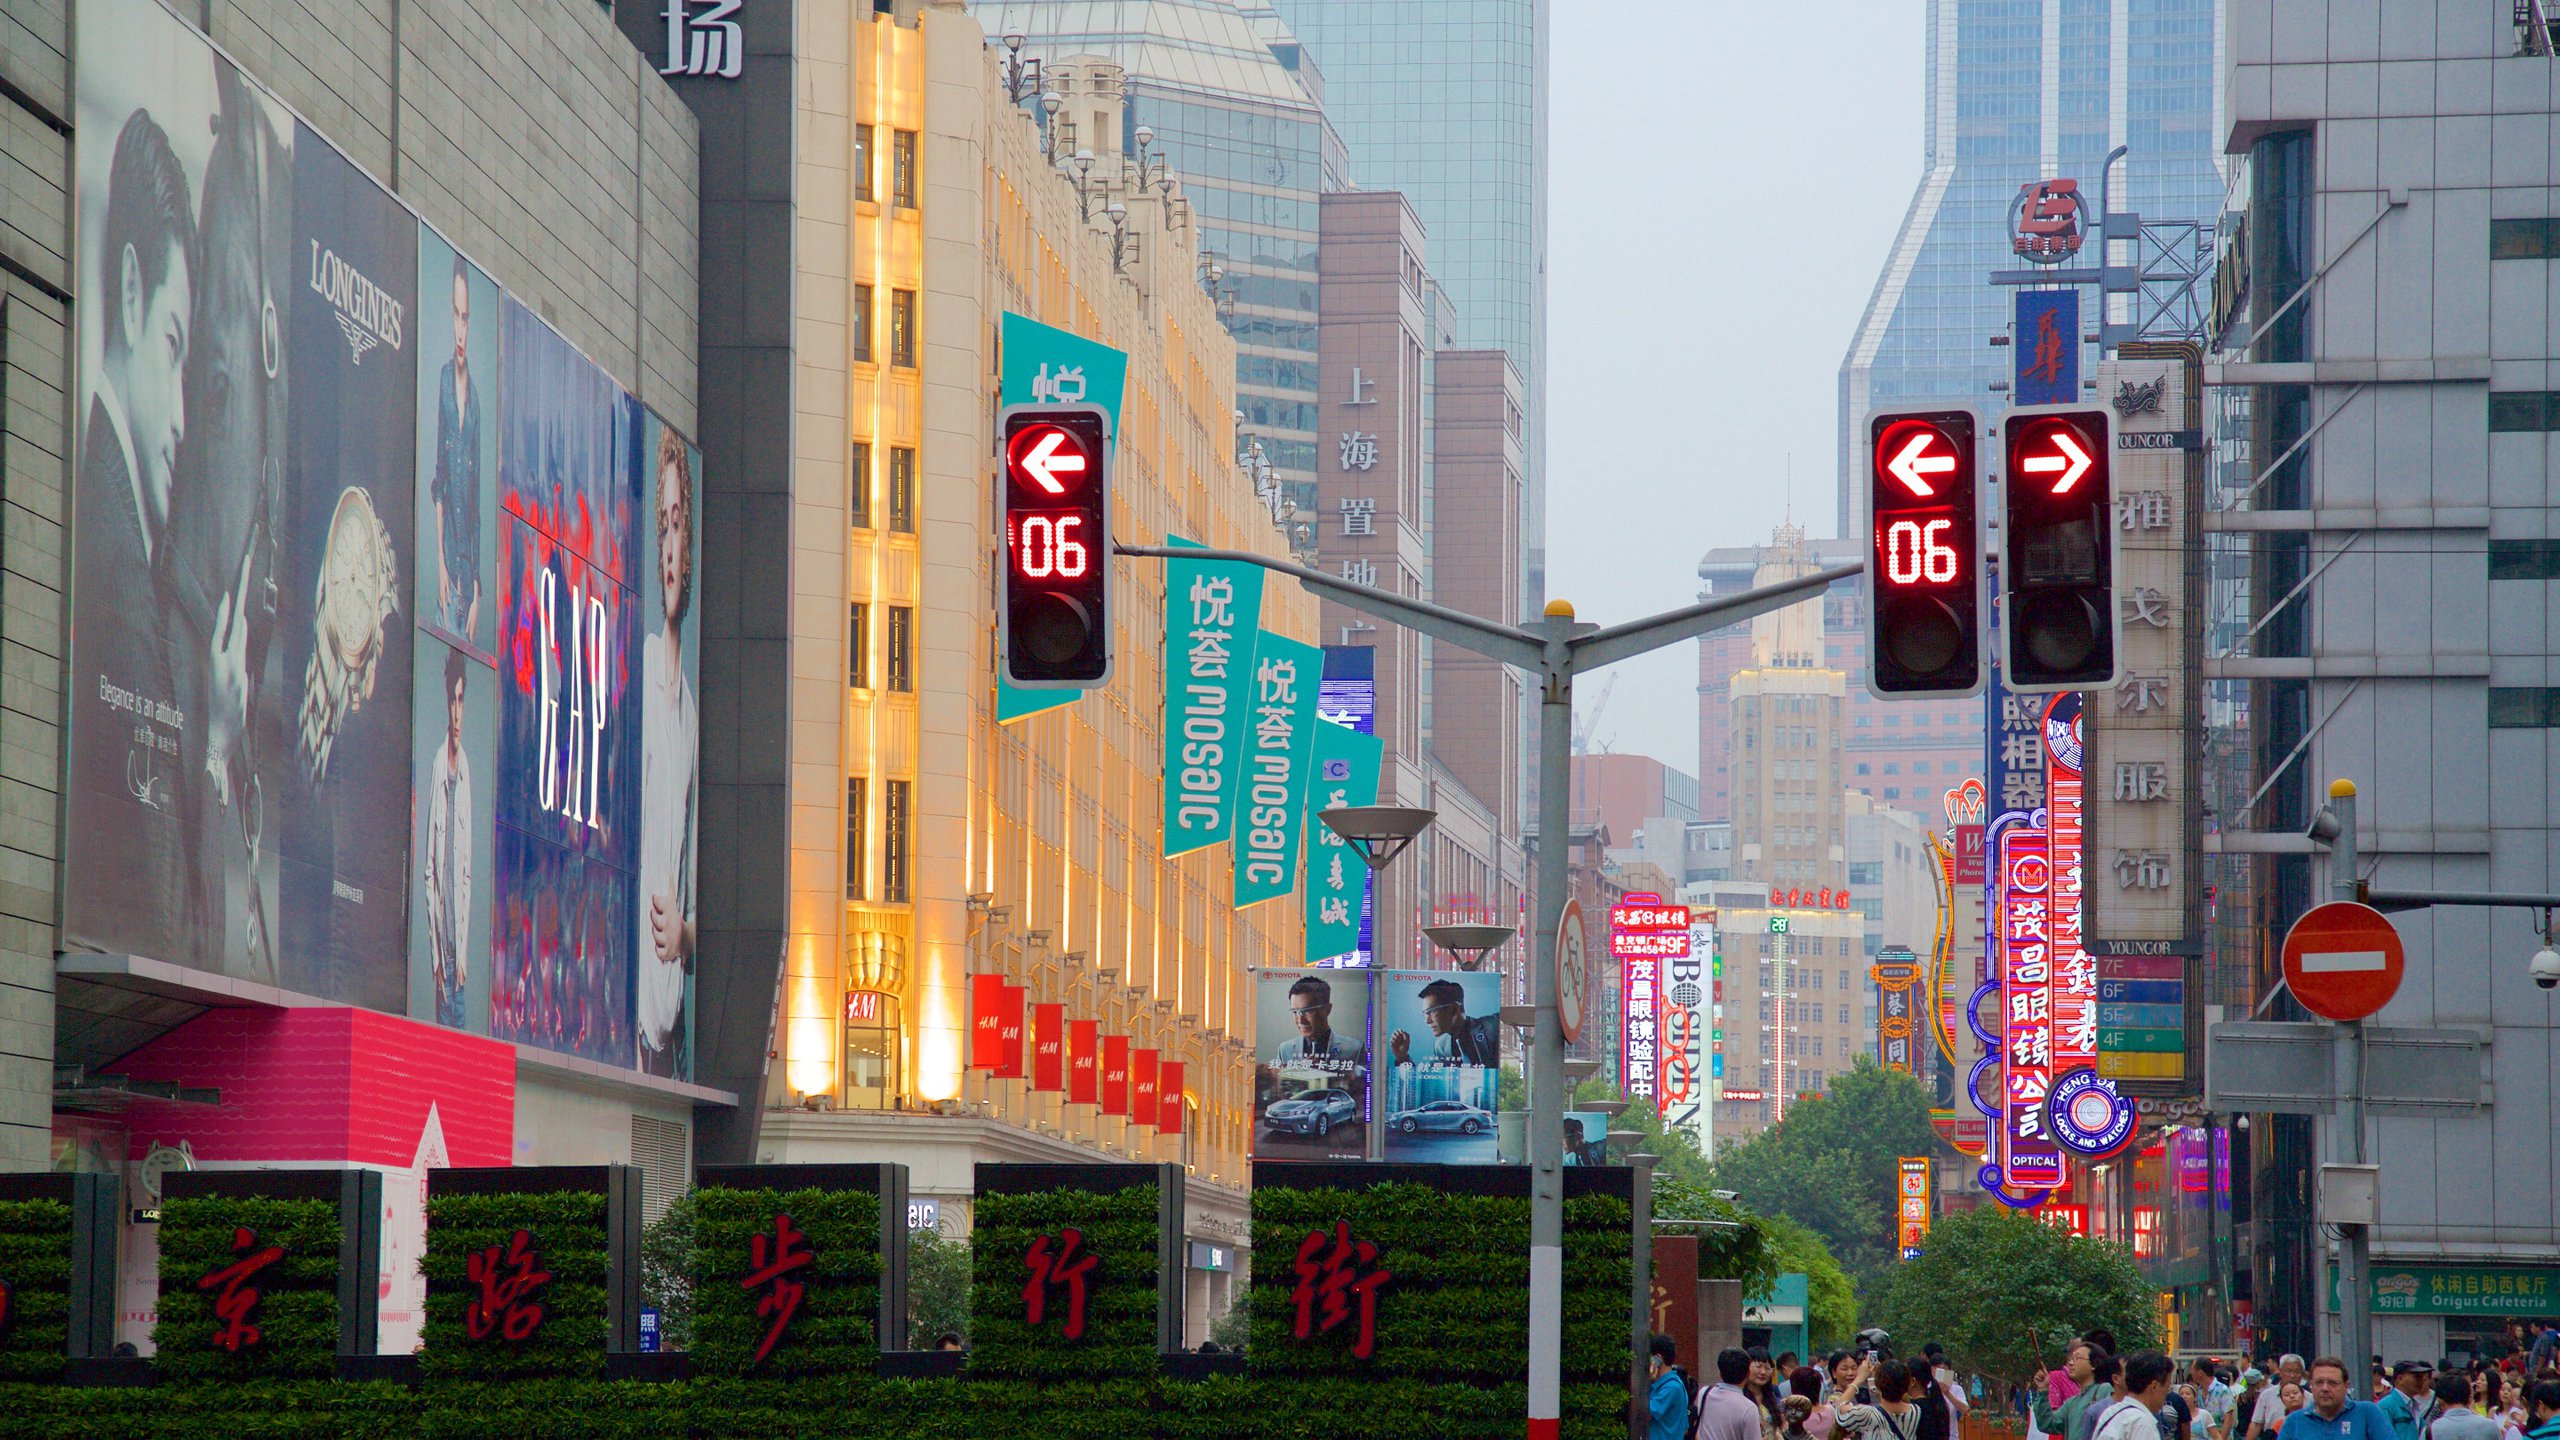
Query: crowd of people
{"type": "Point", "coordinates": [1868, 1393]}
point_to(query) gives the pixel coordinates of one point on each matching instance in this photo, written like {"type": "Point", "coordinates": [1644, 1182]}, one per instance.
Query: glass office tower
{"type": "Point", "coordinates": [2022, 90]}
{"type": "Point", "coordinates": [1240, 121]}
{"type": "Point", "coordinates": [1446, 100]}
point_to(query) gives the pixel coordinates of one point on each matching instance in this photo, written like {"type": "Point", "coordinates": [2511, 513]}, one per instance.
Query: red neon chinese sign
{"type": "Point", "coordinates": [506, 1305]}
{"type": "Point", "coordinates": [1332, 1281]}
{"type": "Point", "coordinates": [1060, 1261]}
{"type": "Point", "coordinates": [773, 1259]}
{"type": "Point", "coordinates": [239, 1298]}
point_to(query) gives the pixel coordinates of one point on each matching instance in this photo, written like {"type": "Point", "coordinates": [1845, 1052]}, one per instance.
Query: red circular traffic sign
{"type": "Point", "coordinates": [2343, 960]}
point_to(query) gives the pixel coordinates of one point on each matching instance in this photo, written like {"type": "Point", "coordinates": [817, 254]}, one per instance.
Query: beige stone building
{"type": "Point", "coordinates": [1785, 744]}
{"type": "Point", "coordinates": [929, 842]}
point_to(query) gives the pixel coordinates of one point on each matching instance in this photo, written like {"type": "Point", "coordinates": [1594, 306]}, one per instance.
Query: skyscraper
{"type": "Point", "coordinates": [2018, 91]}
{"type": "Point", "coordinates": [1446, 101]}
{"type": "Point", "coordinates": [1238, 120]}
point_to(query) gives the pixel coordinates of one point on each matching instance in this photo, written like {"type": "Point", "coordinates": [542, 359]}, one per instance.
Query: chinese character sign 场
{"type": "Point", "coordinates": [1057, 1263]}
{"type": "Point", "coordinates": [238, 1299]}
{"type": "Point", "coordinates": [704, 39]}
{"type": "Point", "coordinates": [508, 1278]}
{"type": "Point", "coordinates": [1336, 1280]}
{"type": "Point", "coordinates": [772, 1260]}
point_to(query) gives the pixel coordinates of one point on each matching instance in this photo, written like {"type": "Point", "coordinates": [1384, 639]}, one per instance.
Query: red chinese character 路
{"type": "Point", "coordinates": [506, 1304]}
{"type": "Point", "coordinates": [789, 1251]}
{"type": "Point", "coordinates": [238, 1296]}
{"type": "Point", "coordinates": [1058, 1262]}
{"type": "Point", "coordinates": [1330, 1284]}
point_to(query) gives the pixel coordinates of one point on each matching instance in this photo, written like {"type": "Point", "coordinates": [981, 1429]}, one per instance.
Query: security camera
{"type": "Point", "coordinates": [2545, 968]}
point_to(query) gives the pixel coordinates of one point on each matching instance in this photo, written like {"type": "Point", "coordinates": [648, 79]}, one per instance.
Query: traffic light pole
{"type": "Point", "coordinates": [1556, 649]}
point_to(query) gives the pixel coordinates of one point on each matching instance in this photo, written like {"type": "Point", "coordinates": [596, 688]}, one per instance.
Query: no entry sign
{"type": "Point", "coordinates": [2343, 960]}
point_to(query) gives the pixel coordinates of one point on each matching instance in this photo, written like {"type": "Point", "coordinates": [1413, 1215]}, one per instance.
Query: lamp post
{"type": "Point", "coordinates": [1021, 77]}
{"type": "Point", "coordinates": [1555, 650]}
{"type": "Point", "coordinates": [1469, 944]}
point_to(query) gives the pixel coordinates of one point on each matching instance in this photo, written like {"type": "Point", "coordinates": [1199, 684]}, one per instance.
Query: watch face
{"type": "Point", "coordinates": [356, 577]}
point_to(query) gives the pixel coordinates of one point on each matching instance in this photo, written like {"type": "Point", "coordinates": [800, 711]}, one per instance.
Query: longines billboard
{"type": "Point", "coordinates": [383, 663]}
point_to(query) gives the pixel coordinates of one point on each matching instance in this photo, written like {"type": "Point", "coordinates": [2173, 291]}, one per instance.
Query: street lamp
{"type": "Point", "coordinates": [1049, 103]}
{"type": "Point", "coordinates": [1470, 943]}
{"type": "Point", "coordinates": [1378, 832]}
{"type": "Point", "coordinates": [1021, 77]}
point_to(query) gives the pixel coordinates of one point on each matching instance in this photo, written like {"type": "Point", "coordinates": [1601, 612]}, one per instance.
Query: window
{"type": "Point", "coordinates": [1893, 792]}
{"type": "Point", "coordinates": [862, 323]}
{"type": "Point", "coordinates": [902, 489]}
{"type": "Point", "coordinates": [855, 869]}
{"type": "Point", "coordinates": [902, 169]}
{"type": "Point", "coordinates": [1866, 872]}
{"type": "Point", "coordinates": [2524, 559]}
{"type": "Point", "coordinates": [1814, 1047]}
{"type": "Point", "coordinates": [2524, 707]}
{"type": "Point", "coordinates": [2516, 410]}
{"type": "Point", "coordinates": [2524, 239]}
{"type": "Point", "coordinates": [857, 499]}
{"type": "Point", "coordinates": [902, 634]}
{"type": "Point", "coordinates": [902, 328]}
{"type": "Point", "coordinates": [1893, 767]}
{"type": "Point", "coordinates": [1814, 977]}
{"type": "Point", "coordinates": [1919, 767]}
{"type": "Point", "coordinates": [862, 162]}
{"type": "Point", "coordinates": [858, 666]}
{"type": "Point", "coordinates": [893, 844]}
{"type": "Point", "coordinates": [1844, 1014]}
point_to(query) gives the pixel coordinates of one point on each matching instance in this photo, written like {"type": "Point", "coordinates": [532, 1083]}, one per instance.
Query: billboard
{"type": "Point", "coordinates": [1686, 1024]}
{"type": "Point", "coordinates": [1311, 1065]}
{"type": "Point", "coordinates": [1440, 1034]}
{"type": "Point", "coordinates": [309, 731]}
{"type": "Point", "coordinates": [1644, 933]}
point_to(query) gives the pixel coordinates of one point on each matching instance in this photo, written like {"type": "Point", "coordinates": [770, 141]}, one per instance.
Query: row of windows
{"type": "Point", "coordinates": [2524, 239]}
{"type": "Point", "coordinates": [2524, 559]}
{"type": "Point", "coordinates": [2524, 707]}
{"type": "Point", "coordinates": [902, 488]}
{"type": "Point", "coordinates": [1918, 767]}
{"type": "Point", "coordinates": [902, 327]}
{"type": "Point", "coordinates": [1894, 722]}
{"type": "Point", "coordinates": [902, 166]}
{"type": "Point", "coordinates": [902, 633]}
{"type": "Point", "coordinates": [895, 796]}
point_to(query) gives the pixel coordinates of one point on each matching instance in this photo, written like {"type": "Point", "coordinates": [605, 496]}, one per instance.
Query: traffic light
{"type": "Point", "coordinates": [1055, 629]}
{"type": "Point", "coordinates": [2057, 551]}
{"type": "Point", "coordinates": [1924, 572]}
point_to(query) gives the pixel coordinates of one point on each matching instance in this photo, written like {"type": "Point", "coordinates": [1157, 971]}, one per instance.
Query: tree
{"type": "Point", "coordinates": [666, 1271]}
{"type": "Point", "coordinates": [1830, 1165]}
{"type": "Point", "coordinates": [1740, 1249]}
{"type": "Point", "coordinates": [1831, 1301]}
{"type": "Point", "coordinates": [2003, 1291]}
{"type": "Point", "coordinates": [937, 1288]}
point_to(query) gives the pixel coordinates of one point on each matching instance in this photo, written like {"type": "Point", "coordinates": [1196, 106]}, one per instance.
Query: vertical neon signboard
{"type": "Point", "coordinates": [2028, 1157]}
{"type": "Point", "coordinates": [2075, 971]}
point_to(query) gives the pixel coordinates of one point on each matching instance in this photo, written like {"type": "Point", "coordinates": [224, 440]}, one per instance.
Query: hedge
{"type": "Point", "coordinates": [566, 1233]}
{"type": "Point", "coordinates": [296, 1314]}
{"type": "Point", "coordinates": [35, 1259]}
{"type": "Point", "coordinates": [836, 1323]}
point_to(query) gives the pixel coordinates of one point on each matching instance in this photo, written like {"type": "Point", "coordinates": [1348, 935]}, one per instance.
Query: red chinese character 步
{"type": "Point", "coordinates": [789, 1251]}
{"type": "Point", "coordinates": [506, 1304]}
{"type": "Point", "coordinates": [1333, 1281]}
{"type": "Point", "coordinates": [1057, 1261]}
{"type": "Point", "coordinates": [238, 1296]}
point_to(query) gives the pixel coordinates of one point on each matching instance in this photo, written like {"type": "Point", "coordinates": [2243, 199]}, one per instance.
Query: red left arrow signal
{"type": "Point", "coordinates": [1913, 464]}
{"type": "Point", "coordinates": [1037, 453]}
{"type": "Point", "coordinates": [2069, 461]}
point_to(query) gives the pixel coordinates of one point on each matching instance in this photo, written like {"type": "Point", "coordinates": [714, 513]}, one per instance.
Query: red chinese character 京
{"type": "Point", "coordinates": [1056, 1261]}
{"type": "Point", "coordinates": [238, 1296]}
{"type": "Point", "coordinates": [789, 1251]}
{"type": "Point", "coordinates": [1333, 1281]}
{"type": "Point", "coordinates": [506, 1304]}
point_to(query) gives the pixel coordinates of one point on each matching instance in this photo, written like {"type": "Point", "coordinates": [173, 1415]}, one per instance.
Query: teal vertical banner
{"type": "Point", "coordinates": [1271, 783]}
{"type": "Point", "coordinates": [1212, 611]}
{"type": "Point", "coordinates": [1346, 773]}
{"type": "Point", "coordinates": [1045, 364]}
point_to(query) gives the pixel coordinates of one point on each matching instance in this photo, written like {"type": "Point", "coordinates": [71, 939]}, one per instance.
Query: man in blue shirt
{"type": "Point", "coordinates": [1669, 1398]}
{"type": "Point", "coordinates": [2333, 1413]}
{"type": "Point", "coordinates": [2407, 1404]}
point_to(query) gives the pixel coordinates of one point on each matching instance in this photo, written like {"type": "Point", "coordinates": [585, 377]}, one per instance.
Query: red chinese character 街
{"type": "Point", "coordinates": [789, 1251]}
{"type": "Point", "coordinates": [1057, 1262]}
{"type": "Point", "coordinates": [1334, 1280]}
{"type": "Point", "coordinates": [506, 1304]}
{"type": "Point", "coordinates": [238, 1296]}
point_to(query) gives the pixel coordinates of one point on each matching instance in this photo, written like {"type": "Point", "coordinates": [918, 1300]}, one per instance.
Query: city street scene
{"type": "Point", "coordinates": [1217, 719]}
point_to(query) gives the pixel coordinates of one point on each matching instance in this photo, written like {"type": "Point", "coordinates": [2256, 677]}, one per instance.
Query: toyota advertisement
{"type": "Point", "coordinates": [1311, 1065]}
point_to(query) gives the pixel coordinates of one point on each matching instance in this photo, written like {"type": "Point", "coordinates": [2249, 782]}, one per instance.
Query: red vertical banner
{"type": "Point", "coordinates": [1010, 1015]}
{"type": "Point", "coordinates": [1169, 1085]}
{"type": "Point", "coordinates": [1084, 1062]}
{"type": "Point", "coordinates": [1115, 1074]}
{"type": "Point", "coordinates": [1048, 1047]}
{"type": "Point", "coordinates": [1144, 1108]}
{"type": "Point", "coordinates": [986, 1022]}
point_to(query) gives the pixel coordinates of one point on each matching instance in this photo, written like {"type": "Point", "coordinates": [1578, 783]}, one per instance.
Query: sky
{"type": "Point", "coordinates": [1724, 180]}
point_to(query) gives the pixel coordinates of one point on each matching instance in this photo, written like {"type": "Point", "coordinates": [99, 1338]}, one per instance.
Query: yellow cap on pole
{"type": "Point", "coordinates": [1560, 608]}
{"type": "Point", "coordinates": [2341, 789]}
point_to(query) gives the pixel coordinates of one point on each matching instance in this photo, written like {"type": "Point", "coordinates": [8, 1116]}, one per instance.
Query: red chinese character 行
{"type": "Point", "coordinates": [506, 1304]}
{"type": "Point", "coordinates": [238, 1296]}
{"type": "Point", "coordinates": [789, 1251]}
{"type": "Point", "coordinates": [1332, 1279]}
{"type": "Point", "coordinates": [1057, 1261]}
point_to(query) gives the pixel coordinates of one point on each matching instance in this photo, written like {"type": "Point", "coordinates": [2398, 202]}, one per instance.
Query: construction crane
{"type": "Point", "coordinates": [1588, 721]}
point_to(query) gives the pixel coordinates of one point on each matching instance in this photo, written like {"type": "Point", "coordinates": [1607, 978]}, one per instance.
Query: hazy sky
{"type": "Point", "coordinates": [1724, 177]}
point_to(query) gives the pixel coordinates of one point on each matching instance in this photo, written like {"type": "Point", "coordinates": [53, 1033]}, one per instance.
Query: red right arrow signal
{"type": "Point", "coordinates": [2071, 462]}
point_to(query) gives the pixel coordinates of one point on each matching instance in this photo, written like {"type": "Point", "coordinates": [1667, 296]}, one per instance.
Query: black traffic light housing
{"type": "Point", "coordinates": [1054, 628]}
{"type": "Point", "coordinates": [1924, 561]}
{"type": "Point", "coordinates": [2058, 618]}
